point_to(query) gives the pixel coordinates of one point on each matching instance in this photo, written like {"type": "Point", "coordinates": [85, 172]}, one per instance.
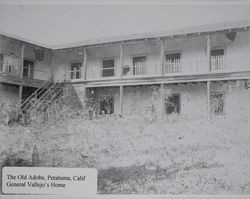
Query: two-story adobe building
{"type": "Point", "coordinates": [192, 72]}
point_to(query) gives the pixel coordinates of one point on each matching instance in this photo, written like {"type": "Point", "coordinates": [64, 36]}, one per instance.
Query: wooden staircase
{"type": "Point", "coordinates": [48, 92]}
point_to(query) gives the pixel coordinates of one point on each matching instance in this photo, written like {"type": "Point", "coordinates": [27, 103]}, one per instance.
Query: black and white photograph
{"type": "Point", "coordinates": [155, 96]}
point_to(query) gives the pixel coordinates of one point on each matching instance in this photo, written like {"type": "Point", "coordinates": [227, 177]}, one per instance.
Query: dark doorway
{"type": "Point", "coordinates": [107, 105]}
{"type": "Point", "coordinates": [28, 69]}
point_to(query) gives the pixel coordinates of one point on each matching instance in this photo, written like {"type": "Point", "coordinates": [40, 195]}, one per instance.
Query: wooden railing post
{"type": "Point", "coordinates": [84, 70]}
{"type": "Point", "coordinates": [162, 58]}
{"type": "Point", "coordinates": [121, 59]}
{"type": "Point", "coordinates": [21, 74]}
{"type": "Point", "coordinates": [209, 52]}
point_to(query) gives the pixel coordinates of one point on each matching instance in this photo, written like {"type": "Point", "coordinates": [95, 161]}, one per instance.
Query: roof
{"type": "Point", "coordinates": [160, 34]}
{"type": "Point", "coordinates": [25, 40]}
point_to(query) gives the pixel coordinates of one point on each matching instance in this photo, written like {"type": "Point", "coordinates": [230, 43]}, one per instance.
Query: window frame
{"type": "Point", "coordinates": [114, 68]}
{"type": "Point", "coordinates": [34, 69]}
{"type": "Point", "coordinates": [165, 105]}
{"type": "Point", "coordinates": [224, 103]}
{"type": "Point", "coordinates": [75, 62]}
{"type": "Point", "coordinates": [132, 62]}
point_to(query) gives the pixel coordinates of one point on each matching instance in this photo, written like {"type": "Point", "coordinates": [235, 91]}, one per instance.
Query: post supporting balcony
{"type": "Point", "coordinates": [162, 58]}
{"type": "Point", "coordinates": [121, 100]}
{"type": "Point", "coordinates": [84, 68]}
{"type": "Point", "coordinates": [21, 73]}
{"type": "Point", "coordinates": [208, 100]}
{"type": "Point", "coordinates": [209, 52]}
{"type": "Point", "coordinates": [162, 99]}
{"type": "Point", "coordinates": [121, 59]}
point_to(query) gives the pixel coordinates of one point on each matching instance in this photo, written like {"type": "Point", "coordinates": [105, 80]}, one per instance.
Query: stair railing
{"type": "Point", "coordinates": [36, 93]}
{"type": "Point", "coordinates": [50, 89]}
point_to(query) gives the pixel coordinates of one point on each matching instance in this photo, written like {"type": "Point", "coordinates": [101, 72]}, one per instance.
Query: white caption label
{"type": "Point", "coordinates": [50, 181]}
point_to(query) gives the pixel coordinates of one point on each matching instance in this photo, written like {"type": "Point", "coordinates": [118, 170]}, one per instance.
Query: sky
{"type": "Point", "coordinates": [61, 24]}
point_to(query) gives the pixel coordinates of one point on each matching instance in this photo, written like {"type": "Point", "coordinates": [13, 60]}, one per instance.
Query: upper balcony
{"type": "Point", "coordinates": [171, 68]}
{"type": "Point", "coordinates": [206, 56]}
{"type": "Point", "coordinates": [11, 72]}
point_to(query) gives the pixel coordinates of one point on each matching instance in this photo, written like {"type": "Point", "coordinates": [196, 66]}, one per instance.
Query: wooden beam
{"type": "Point", "coordinates": [84, 68]}
{"type": "Point", "coordinates": [162, 58]}
{"type": "Point", "coordinates": [121, 59]}
{"type": "Point", "coordinates": [121, 100]}
{"type": "Point", "coordinates": [162, 99]}
{"type": "Point", "coordinates": [208, 100]}
{"type": "Point", "coordinates": [209, 52]}
{"type": "Point", "coordinates": [22, 60]}
{"type": "Point", "coordinates": [20, 94]}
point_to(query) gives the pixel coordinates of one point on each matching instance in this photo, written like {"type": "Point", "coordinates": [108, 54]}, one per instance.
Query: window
{"type": "Point", "coordinates": [173, 62]}
{"type": "Point", "coordinates": [107, 105]}
{"type": "Point", "coordinates": [172, 104]}
{"type": "Point", "coordinates": [217, 103]}
{"type": "Point", "coordinates": [139, 65]}
{"type": "Point", "coordinates": [217, 52]}
{"type": "Point", "coordinates": [28, 68]}
{"type": "Point", "coordinates": [217, 59]}
{"type": "Point", "coordinates": [108, 67]}
{"type": "Point", "coordinates": [75, 70]}
{"type": "Point", "coordinates": [1, 62]}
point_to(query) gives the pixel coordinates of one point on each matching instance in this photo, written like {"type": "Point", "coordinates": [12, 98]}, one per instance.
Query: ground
{"type": "Point", "coordinates": [136, 155]}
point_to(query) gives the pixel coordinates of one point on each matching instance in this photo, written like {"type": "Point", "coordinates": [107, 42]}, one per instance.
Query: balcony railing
{"type": "Point", "coordinates": [73, 74]}
{"type": "Point", "coordinates": [171, 68]}
{"type": "Point", "coordinates": [218, 62]}
{"type": "Point", "coordinates": [94, 73]}
{"type": "Point", "coordinates": [140, 69]}
{"type": "Point", "coordinates": [10, 70]}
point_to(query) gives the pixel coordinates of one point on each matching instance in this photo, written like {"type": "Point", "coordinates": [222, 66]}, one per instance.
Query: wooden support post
{"type": "Point", "coordinates": [162, 99]}
{"type": "Point", "coordinates": [22, 60]}
{"type": "Point", "coordinates": [21, 74]}
{"type": "Point", "coordinates": [208, 100]}
{"type": "Point", "coordinates": [20, 94]}
{"type": "Point", "coordinates": [121, 60]}
{"type": "Point", "coordinates": [84, 69]}
{"type": "Point", "coordinates": [121, 100]}
{"type": "Point", "coordinates": [162, 58]}
{"type": "Point", "coordinates": [209, 52]}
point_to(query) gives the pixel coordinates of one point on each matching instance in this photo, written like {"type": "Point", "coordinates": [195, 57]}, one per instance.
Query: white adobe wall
{"type": "Point", "coordinates": [193, 99]}
{"type": "Point", "coordinates": [43, 68]}
{"type": "Point", "coordinates": [62, 61]}
{"type": "Point", "coordinates": [236, 99]}
{"type": "Point", "coordinates": [136, 100]}
{"type": "Point", "coordinates": [95, 56]}
{"type": "Point", "coordinates": [237, 52]}
{"type": "Point", "coordinates": [152, 51]}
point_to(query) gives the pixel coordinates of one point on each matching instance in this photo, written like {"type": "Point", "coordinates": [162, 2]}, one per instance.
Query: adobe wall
{"type": "Point", "coordinates": [137, 100]}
